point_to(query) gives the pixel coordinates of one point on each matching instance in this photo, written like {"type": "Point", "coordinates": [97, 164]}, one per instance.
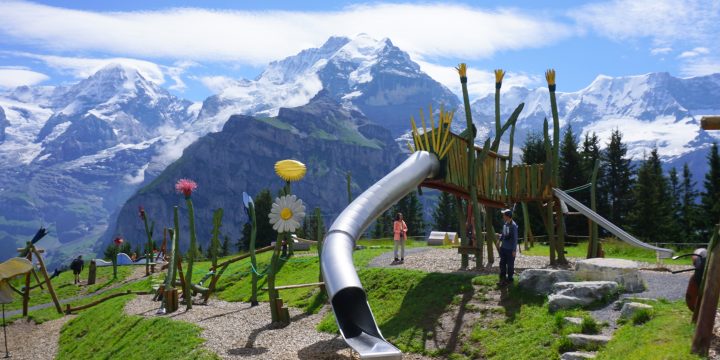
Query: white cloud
{"type": "Point", "coordinates": [664, 21]}
{"type": "Point", "coordinates": [82, 68]}
{"type": "Point", "coordinates": [217, 84]}
{"type": "Point", "coordinates": [661, 51]}
{"type": "Point", "coordinates": [175, 72]}
{"type": "Point", "coordinates": [256, 37]}
{"type": "Point", "coordinates": [700, 66]}
{"type": "Point", "coordinates": [480, 82]}
{"type": "Point", "coordinates": [694, 52]}
{"type": "Point", "coordinates": [13, 76]}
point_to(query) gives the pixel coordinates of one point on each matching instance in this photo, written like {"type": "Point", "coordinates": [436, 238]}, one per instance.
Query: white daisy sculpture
{"type": "Point", "coordinates": [286, 213]}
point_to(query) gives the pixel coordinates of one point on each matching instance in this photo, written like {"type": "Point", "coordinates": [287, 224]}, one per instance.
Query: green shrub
{"type": "Point", "coordinates": [641, 316]}
{"type": "Point", "coordinates": [564, 345]}
{"type": "Point", "coordinates": [589, 326]}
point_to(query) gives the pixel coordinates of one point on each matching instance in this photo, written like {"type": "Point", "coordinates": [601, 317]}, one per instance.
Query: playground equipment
{"type": "Point", "coordinates": [451, 163]}
{"type": "Point", "coordinates": [28, 252]}
{"type": "Point", "coordinates": [8, 270]}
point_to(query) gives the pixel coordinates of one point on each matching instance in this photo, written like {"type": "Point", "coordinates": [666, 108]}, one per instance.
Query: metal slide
{"type": "Point", "coordinates": [347, 296]}
{"type": "Point", "coordinates": [620, 233]}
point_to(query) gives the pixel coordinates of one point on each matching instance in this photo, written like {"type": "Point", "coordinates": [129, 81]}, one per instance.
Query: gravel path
{"type": "Point", "coordinates": [448, 261]}
{"type": "Point", "coordinates": [238, 331]}
{"type": "Point", "coordinates": [27, 340]}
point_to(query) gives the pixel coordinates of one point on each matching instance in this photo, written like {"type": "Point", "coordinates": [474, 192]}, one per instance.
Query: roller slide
{"type": "Point", "coordinates": [347, 296]}
{"type": "Point", "coordinates": [607, 225]}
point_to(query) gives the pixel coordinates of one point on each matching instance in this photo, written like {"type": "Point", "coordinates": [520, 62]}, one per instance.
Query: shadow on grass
{"type": "Point", "coordinates": [512, 298]}
{"type": "Point", "coordinates": [425, 297]}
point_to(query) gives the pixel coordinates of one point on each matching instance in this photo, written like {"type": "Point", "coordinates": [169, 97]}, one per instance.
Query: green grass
{"type": "Point", "coordinates": [666, 336]}
{"type": "Point", "coordinates": [613, 249]}
{"type": "Point", "coordinates": [105, 332]}
{"type": "Point", "coordinates": [526, 331]}
{"type": "Point", "coordinates": [65, 288]}
{"type": "Point", "coordinates": [407, 304]}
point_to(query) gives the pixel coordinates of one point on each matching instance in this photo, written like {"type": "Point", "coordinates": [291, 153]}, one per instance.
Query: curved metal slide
{"type": "Point", "coordinates": [607, 225]}
{"type": "Point", "coordinates": [347, 296]}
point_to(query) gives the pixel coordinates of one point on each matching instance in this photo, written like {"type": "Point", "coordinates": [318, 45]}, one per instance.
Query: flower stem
{"type": "Point", "coordinates": [191, 255]}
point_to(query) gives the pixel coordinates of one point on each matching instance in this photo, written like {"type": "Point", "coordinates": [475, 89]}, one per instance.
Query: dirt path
{"type": "Point", "coordinates": [27, 340]}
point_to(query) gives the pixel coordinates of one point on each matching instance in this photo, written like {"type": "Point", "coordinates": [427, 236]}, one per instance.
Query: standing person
{"type": "Point", "coordinates": [77, 266]}
{"type": "Point", "coordinates": [508, 248]}
{"type": "Point", "coordinates": [400, 236]}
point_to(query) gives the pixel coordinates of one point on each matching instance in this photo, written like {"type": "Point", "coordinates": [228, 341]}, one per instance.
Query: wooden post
{"type": "Point", "coordinates": [319, 239]}
{"type": "Point", "coordinates": [26, 291]}
{"type": "Point", "coordinates": [463, 231]}
{"type": "Point", "coordinates": [92, 273]}
{"type": "Point", "coordinates": [709, 303]}
{"type": "Point", "coordinates": [526, 226]}
{"type": "Point", "coordinates": [43, 270]}
{"type": "Point", "coordinates": [560, 244]}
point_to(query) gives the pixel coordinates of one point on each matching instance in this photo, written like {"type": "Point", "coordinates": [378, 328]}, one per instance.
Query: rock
{"type": "Point", "coordinates": [572, 320]}
{"type": "Point", "coordinates": [624, 272]}
{"type": "Point", "coordinates": [540, 281]}
{"type": "Point", "coordinates": [577, 355]}
{"type": "Point", "coordinates": [579, 294]}
{"type": "Point", "coordinates": [558, 302]}
{"type": "Point", "coordinates": [629, 309]}
{"type": "Point", "coordinates": [583, 341]}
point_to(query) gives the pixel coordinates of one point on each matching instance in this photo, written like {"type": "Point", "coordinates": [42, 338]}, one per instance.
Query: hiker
{"type": "Point", "coordinates": [77, 266]}
{"type": "Point", "coordinates": [400, 236]}
{"type": "Point", "coordinates": [507, 247]}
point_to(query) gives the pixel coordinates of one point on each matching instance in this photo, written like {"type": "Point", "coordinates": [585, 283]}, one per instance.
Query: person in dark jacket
{"type": "Point", "coordinates": [507, 248]}
{"type": "Point", "coordinates": [77, 266]}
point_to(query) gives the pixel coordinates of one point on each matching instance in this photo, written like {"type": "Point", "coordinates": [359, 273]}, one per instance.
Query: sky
{"type": "Point", "coordinates": [185, 45]}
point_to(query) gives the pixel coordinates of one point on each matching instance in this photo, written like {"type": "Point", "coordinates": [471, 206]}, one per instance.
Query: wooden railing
{"type": "Point", "coordinates": [497, 181]}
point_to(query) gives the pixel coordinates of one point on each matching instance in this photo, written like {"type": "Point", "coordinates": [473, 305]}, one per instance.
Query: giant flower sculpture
{"type": "Point", "coordinates": [286, 213]}
{"type": "Point", "coordinates": [290, 170]}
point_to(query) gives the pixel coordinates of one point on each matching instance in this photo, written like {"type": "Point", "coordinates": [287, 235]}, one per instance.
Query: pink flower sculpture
{"type": "Point", "coordinates": [118, 241]}
{"type": "Point", "coordinates": [185, 187]}
{"type": "Point", "coordinates": [141, 210]}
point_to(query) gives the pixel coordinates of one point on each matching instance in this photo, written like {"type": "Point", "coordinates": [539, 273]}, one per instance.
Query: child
{"type": "Point", "coordinates": [400, 236]}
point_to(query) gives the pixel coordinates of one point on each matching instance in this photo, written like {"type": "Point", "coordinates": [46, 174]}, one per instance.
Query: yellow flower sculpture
{"type": "Point", "coordinates": [290, 170]}
{"type": "Point", "coordinates": [286, 213]}
{"type": "Point", "coordinates": [8, 270]}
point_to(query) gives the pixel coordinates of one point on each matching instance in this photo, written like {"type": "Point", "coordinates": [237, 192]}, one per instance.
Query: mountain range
{"type": "Point", "coordinates": [80, 158]}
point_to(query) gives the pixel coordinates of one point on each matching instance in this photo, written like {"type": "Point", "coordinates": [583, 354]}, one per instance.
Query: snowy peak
{"type": "Point", "coordinates": [363, 73]}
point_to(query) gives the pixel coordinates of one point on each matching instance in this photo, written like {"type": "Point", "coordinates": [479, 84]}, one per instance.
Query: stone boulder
{"type": "Point", "coordinates": [583, 341]}
{"type": "Point", "coordinates": [540, 281]}
{"type": "Point", "coordinates": [624, 272]}
{"type": "Point", "coordinates": [629, 309]}
{"type": "Point", "coordinates": [577, 355]}
{"type": "Point", "coordinates": [580, 294]}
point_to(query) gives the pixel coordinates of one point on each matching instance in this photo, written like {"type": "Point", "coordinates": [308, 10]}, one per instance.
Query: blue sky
{"type": "Point", "coordinates": [184, 45]}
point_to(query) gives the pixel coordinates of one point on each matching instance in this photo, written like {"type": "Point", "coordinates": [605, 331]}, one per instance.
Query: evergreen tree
{"type": "Point", "coordinates": [571, 176]}
{"type": "Point", "coordinates": [383, 226]}
{"type": "Point", "coordinates": [412, 210]}
{"type": "Point", "coordinates": [616, 181]}
{"type": "Point", "coordinates": [445, 214]}
{"type": "Point", "coordinates": [689, 221]}
{"type": "Point", "coordinates": [265, 233]}
{"type": "Point", "coordinates": [225, 247]}
{"type": "Point", "coordinates": [589, 154]}
{"type": "Point", "coordinates": [651, 216]}
{"type": "Point", "coordinates": [710, 198]}
{"type": "Point", "coordinates": [533, 149]}
{"type": "Point", "coordinates": [675, 199]}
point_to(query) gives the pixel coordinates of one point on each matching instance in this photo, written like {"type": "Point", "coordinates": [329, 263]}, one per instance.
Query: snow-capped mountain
{"type": "Point", "coordinates": [373, 76]}
{"type": "Point", "coordinates": [650, 110]}
{"type": "Point", "coordinates": [72, 155]}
